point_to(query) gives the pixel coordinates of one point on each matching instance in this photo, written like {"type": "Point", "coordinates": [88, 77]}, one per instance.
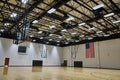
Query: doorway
{"type": "Point", "coordinates": [6, 62]}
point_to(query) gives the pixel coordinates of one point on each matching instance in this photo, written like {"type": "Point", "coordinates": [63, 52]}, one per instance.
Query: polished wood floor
{"type": "Point", "coordinates": [57, 73]}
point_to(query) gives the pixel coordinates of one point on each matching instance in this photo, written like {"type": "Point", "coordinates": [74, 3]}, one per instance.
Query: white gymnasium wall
{"type": "Point", "coordinates": [10, 50]}
{"type": "Point", "coordinates": [110, 53]}
{"type": "Point", "coordinates": [107, 55]}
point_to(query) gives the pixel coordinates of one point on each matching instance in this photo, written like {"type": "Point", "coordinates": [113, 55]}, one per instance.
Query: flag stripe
{"type": "Point", "coordinates": [90, 50]}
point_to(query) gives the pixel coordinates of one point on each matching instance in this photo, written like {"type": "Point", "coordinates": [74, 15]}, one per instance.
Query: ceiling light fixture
{"type": "Point", "coordinates": [90, 38]}
{"type": "Point", "coordinates": [40, 32]}
{"type": "Point", "coordinates": [24, 1]}
{"type": "Point", "coordinates": [35, 21]}
{"type": "Point", "coordinates": [51, 27]}
{"type": "Point", "coordinates": [106, 35]}
{"type": "Point", "coordinates": [31, 35]}
{"type": "Point", "coordinates": [58, 41]}
{"type": "Point", "coordinates": [73, 33]}
{"type": "Point", "coordinates": [13, 14]}
{"type": "Point", "coordinates": [81, 24]}
{"type": "Point", "coordinates": [47, 42]}
{"type": "Point", "coordinates": [41, 37]}
{"type": "Point", "coordinates": [6, 24]}
{"type": "Point", "coordinates": [64, 30]}
{"type": "Point", "coordinates": [70, 18]}
{"type": "Point", "coordinates": [92, 28]}
{"type": "Point", "coordinates": [51, 10]}
{"type": "Point", "coordinates": [116, 21]}
{"type": "Point", "coordinates": [66, 42]}
{"type": "Point", "coordinates": [50, 39]}
{"type": "Point", "coordinates": [58, 44]}
{"type": "Point", "coordinates": [68, 39]}
{"type": "Point", "coordinates": [76, 40]}
{"type": "Point", "coordinates": [60, 37]}
{"type": "Point", "coordinates": [99, 32]}
{"type": "Point", "coordinates": [2, 30]}
{"type": "Point", "coordinates": [50, 34]}
{"type": "Point", "coordinates": [33, 40]}
{"type": "Point", "coordinates": [108, 15]}
{"type": "Point", "coordinates": [98, 6]}
{"type": "Point", "coordinates": [82, 35]}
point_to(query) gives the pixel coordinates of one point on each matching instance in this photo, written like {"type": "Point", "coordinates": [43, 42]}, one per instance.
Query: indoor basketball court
{"type": "Point", "coordinates": [59, 39]}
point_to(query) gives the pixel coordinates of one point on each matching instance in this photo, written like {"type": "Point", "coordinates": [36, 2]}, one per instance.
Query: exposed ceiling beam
{"type": "Point", "coordinates": [5, 2]}
{"type": "Point", "coordinates": [56, 6]}
{"type": "Point", "coordinates": [113, 3]}
{"type": "Point", "coordinates": [107, 13]}
{"type": "Point", "coordinates": [27, 11]}
{"type": "Point", "coordinates": [114, 36]}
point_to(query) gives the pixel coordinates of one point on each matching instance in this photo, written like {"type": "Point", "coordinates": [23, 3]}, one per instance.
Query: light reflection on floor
{"type": "Point", "coordinates": [5, 70]}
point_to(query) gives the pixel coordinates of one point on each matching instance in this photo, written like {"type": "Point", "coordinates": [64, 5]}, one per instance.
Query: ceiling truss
{"type": "Point", "coordinates": [86, 25]}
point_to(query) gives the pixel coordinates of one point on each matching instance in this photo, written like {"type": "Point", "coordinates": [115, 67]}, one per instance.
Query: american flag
{"type": "Point", "coordinates": [90, 50]}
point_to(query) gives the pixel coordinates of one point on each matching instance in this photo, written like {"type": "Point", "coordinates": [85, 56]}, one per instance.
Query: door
{"type": "Point", "coordinates": [6, 61]}
{"type": "Point", "coordinates": [65, 62]}
{"type": "Point", "coordinates": [78, 64]}
{"type": "Point", "coordinates": [37, 63]}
